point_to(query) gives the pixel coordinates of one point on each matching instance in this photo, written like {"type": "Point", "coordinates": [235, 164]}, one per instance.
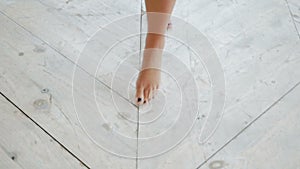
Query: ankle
{"type": "Point", "coordinates": [155, 41]}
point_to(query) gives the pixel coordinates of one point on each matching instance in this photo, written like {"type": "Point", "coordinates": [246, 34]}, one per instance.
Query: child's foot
{"type": "Point", "coordinates": [149, 77]}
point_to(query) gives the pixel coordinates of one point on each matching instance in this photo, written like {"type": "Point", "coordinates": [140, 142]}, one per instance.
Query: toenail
{"type": "Point", "coordinates": [139, 99]}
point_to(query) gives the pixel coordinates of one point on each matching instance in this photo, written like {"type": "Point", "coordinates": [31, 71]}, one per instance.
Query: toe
{"type": "Point", "coordinates": [150, 95]}
{"type": "Point", "coordinates": [139, 95]}
{"type": "Point", "coordinates": [154, 93]}
{"type": "Point", "coordinates": [146, 95]}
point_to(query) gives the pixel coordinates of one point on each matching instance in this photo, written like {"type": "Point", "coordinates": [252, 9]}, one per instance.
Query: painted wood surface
{"type": "Point", "coordinates": [72, 22]}
{"type": "Point", "coordinates": [74, 26]}
{"type": "Point", "coordinates": [39, 81]}
{"type": "Point", "coordinates": [270, 142]}
{"type": "Point", "coordinates": [25, 145]}
{"type": "Point", "coordinates": [257, 44]}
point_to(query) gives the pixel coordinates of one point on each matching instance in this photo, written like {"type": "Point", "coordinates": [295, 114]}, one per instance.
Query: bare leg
{"type": "Point", "coordinates": [158, 15]}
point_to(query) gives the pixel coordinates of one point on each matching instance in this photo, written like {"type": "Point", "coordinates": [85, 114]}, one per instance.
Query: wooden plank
{"type": "Point", "coordinates": [259, 58]}
{"type": "Point", "coordinates": [39, 81]}
{"type": "Point", "coordinates": [72, 27]}
{"type": "Point", "coordinates": [71, 23]}
{"type": "Point", "coordinates": [270, 142]}
{"type": "Point", "coordinates": [24, 145]}
{"type": "Point", "coordinates": [164, 141]}
{"type": "Point", "coordinates": [167, 140]}
{"type": "Point", "coordinates": [266, 71]}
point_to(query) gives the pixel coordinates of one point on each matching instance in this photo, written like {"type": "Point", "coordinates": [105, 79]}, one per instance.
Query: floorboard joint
{"type": "Point", "coordinates": [44, 130]}
{"type": "Point", "coordinates": [138, 110]}
{"type": "Point", "coordinates": [293, 19]}
{"type": "Point", "coordinates": [61, 54]}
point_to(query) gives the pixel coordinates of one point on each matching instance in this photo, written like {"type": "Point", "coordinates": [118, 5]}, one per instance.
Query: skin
{"type": "Point", "coordinates": [158, 16]}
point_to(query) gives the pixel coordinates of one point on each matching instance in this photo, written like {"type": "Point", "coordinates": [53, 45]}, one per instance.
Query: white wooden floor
{"type": "Point", "coordinates": [64, 105]}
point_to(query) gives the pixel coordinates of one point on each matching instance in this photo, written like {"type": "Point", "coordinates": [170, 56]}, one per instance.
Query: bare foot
{"type": "Point", "coordinates": [149, 77]}
{"type": "Point", "coordinates": [147, 84]}
{"type": "Point", "coordinates": [158, 17]}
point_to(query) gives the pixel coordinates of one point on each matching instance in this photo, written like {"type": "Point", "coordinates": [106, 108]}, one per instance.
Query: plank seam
{"type": "Point", "coordinates": [44, 130]}
{"type": "Point", "coordinates": [293, 19]}
{"type": "Point", "coordinates": [246, 127]}
{"type": "Point", "coordinates": [74, 63]}
{"type": "Point", "coordinates": [138, 108]}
